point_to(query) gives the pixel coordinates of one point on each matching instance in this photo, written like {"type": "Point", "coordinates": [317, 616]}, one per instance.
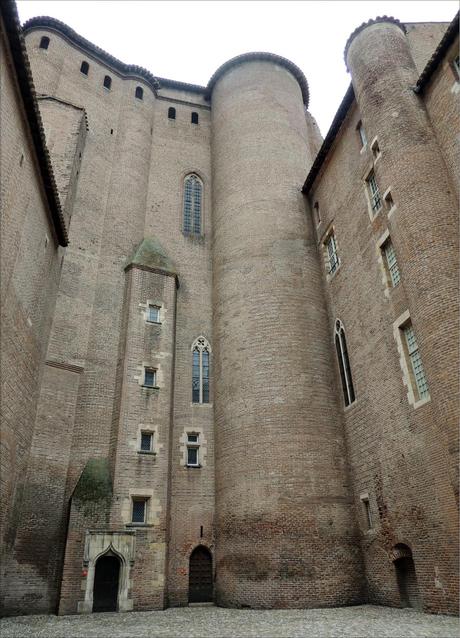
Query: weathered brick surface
{"type": "Point", "coordinates": [289, 463]}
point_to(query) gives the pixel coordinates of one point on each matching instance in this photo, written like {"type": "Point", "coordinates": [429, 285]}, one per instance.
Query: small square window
{"type": "Point", "coordinates": [416, 371]}
{"type": "Point", "coordinates": [150, 377]}
{"type": "Point", "coordinates": [153, 314]}
{"type": "Point", "coordinates": [139, 511]}
{"type": "Point", "coordinates": [146, 441]}
{"type": "Point", "coordinates": [193, 448]}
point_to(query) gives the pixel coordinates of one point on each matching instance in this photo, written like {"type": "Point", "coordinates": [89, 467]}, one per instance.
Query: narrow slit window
{"type": "Point", "coordinates": [107, 82]}
{"type": "Point", "coordinates": [316, 214]}
{"type": "Point", "coordinates": [374, 193]}
{"type": "Point", "coordinates": [44, 42]}
{"type": "Point", "coordinates": [193, 195]}
{"type": "Point", "coordinates": [391, 263]}
{"type": "Point", "coordinates": [362, 134]}
{"type": "Point", "coordinates": [84, 68]}
{"type": "Point", "coordinates": [200, 371]}
{"type": "Point", "coordinates": [367, 512]}
{"type": "Point", "coordinates": [332, 256]}
{"type": "Point", "coordinates": [139, 93]}
{"type": "Point", "coordinates": [344, 364]}
{"type": "Point", "coordinates": [194, 118]}
{"type": "Point", "coordinates": [172, 113]}
{"type": "Point", "coordinates": [417, 371]}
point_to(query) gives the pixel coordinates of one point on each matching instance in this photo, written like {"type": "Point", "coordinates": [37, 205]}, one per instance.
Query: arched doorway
{"type": "Point", "coordinates": [406, 577]}
{"type": "Point", "coordinates": [200, 576]}
{"type": "Point", "coordinates": [106, 580]}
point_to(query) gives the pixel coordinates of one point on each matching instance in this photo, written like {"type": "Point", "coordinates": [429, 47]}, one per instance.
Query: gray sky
{"type": "Point", "coordinates": [189, 40]}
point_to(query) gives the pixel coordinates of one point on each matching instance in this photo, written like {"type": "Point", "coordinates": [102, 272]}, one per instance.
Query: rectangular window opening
{"type": "Point", "coordinates": [153, 314]}
{"type": "Point", "coordinates": [139, 511]}
{"type": "Point", "coordinates": [374, 193]}
{"type": "Point", "coordinates": [193, 446]}
{"type": "Point", "coordinates": [146, 442]}
{"type": "Point", "coordinates": [391, 264]}
{"type": "Point", "coordinates": [362, 134]}
{"type": "Point", "coordinates": [416, 370]}
{"type": "Point", "coordinates": [150, 377]}
{"type": "Point", "coordinates": [330, 245]}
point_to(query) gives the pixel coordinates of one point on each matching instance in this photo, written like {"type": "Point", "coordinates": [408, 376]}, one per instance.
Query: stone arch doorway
{"type": "Point", "coordinates": [200, 576]}
{"type": "Point", "coordinates": [106, 583]}
{"type": "Point", "coordinates": [406, 577]}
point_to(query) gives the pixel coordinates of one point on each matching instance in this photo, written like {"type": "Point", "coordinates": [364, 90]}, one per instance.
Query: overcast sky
{"type": "Point", "coordinates": [189, 40]}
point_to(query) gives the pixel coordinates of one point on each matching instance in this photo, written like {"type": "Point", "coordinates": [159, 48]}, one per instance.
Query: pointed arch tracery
{"type": "Point", "coordinates": [200, 370]}
{"type": "Point", "coordinates": [344, 363]}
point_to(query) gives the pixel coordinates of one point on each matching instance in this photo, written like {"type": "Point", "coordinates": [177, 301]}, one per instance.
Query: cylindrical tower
{"type": "Point", "coordinates": [424, 231]}
{"type": "Point", "coordinates": [285, 535]}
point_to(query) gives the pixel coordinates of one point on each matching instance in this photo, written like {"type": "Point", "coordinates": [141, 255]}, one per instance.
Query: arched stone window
{"type": "Point", "coordinates": [200, 370]}
{"type": "Point", "coordinates": [172, 113]}
{"type": "Point", "coordinates": [193, 200]}
{"type": "Point", "coordinates": [44, 42]}
{"type": "Point", "coordinates": [139, 93]}
{"type": "Point", "coordinates": [107, 82]}
{"type": "Point", "coordinates": [84, 68]}
{"type": "Point", "coordinates": [344, 363]}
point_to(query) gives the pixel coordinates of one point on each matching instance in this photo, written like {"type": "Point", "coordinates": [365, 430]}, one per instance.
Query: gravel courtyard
{"type": "Point", "coordinates": [203, 622]}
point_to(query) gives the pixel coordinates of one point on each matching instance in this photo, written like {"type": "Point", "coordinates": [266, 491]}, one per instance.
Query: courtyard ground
{"type": "Point", "coordinates": [209, 622]}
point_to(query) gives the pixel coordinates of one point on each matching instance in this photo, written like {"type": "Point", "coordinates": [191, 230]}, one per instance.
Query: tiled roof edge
{"type": "Point", "coordinates": [23, 72]}
{"type": "Point", "coordinates": [46, 22]}
{"type": "Point", "coordinates": [369, 23]}
{"type": "Point", "coordinates": [329, 139]}
{"type": "Point", "coordinates": [438, 55]}
{"type": "Point", "coordinates": [261, 55]}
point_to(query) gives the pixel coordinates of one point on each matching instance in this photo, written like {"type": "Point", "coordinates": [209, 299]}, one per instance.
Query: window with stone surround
{"type": "Point", "coordinates": [391, 264]}
{"type": "Point", "coordinates": [415, 365]}
{"type": "Point", "coordinates": [344, 364]}
{"type": "Point", "coordinates": [193, 449]}
{"type": "Point", "coordinates": [139, 510]}
{"type": "Point", "coordinates": [153, 313]}
{"type": "Point", "coordinates": [374, 193]}
{"type": "Point", "coordinates": [146, 443]}
{"type": "Point", "coordinates": [331, 254]}
{"type": "Point", "coordinates": [171, 113]}
{"type": "Point", "coordinates": [200, 370]}
{"type": "Point", "coordinates": [150, 378]}
{"type": "Point", "coordinates": [193, 201]}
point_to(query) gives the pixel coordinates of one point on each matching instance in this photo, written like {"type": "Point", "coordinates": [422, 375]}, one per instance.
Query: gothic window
{"type": "Point", "coordinates": [84, 68]}
{"type": "Point", "coordinates": [150, 378]}
{"type": "Point", "coordinates": [139, 93]}
{"type": "Point", "coordinates": [200, 371]}
{"type": "Point", "coordinates": [172, 113]}
{"type": "Point", "coordinates": [344, 363]}
{"type": "Point", "coordinates": [44, 42]}
{"type": "Point", "coordinates": [107, 82]}
{"type": "Point", "coordinates": [153, 313]}
{"type": "Point", "coordinates": [194, 118]}
{"type": "Point", "coordinates": [193, 196]}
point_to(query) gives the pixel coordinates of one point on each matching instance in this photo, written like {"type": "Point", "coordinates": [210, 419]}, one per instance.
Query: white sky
{"type": "Point", "coordinates": [189, 40]}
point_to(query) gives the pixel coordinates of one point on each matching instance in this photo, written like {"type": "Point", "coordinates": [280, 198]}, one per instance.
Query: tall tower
{"type": "Point", "coordinates": [285, 534]}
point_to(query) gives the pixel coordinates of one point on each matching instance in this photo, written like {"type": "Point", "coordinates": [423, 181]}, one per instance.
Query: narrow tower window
{"type": "Point", "coordinates": [193, 189]}
{"type": "Point", "coordinates": [139, 93]}
{"type": "Point", "coordinates": [107, 82]}
{"type": "Point", "coordinates": [374, 193]}
{"type": "Point", "coordinates": [172, 113]}
{"type": "Point", "coordinates": [193, 449]}
{"type": "Point", "coordinates": [344, 363]}
{"type": "Point", "coordinates": [200, 371]}
{"type": "Point", "coordinates": [391, 264]}
{"type": "Point", "coordinates": [417, 372]}
{"type": "Point", "coordinates": [362, 134]}
{"type": "Point", "coordinates": [332, 256]}
{"type": "Point", "coordinates": [139, 510]}
{"type": "Point", "coordinates": [84, 68]}
{"type": "Point", "coordinates": [44, 42]}
{"type": "Point", "coordinates": [194, 118]}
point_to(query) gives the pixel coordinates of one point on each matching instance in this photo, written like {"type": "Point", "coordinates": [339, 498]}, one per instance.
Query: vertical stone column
{"type": "Point", "coordinates": [285, 533]}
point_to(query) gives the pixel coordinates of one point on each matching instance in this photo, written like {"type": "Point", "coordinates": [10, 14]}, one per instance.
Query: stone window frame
{"type": "Point", "coordinates": [193, 445]}
{"type": "Point", "coordinates": [145, 311]}
{"type": "Point", "coordinates": [409, 382]}
{"type": "Point", "coordinates": [192, 234]}
{"type": "Point", "coordinates": [361, 131]}
{"type": "Point", "coordinates": [330, 232]}
{"type": "Point", "coordinates": [184, 444]}
{"type": "Point", "coordinates": [151, 435]}
{"type": "Point", "coordinates": [367, 512]}
{"type": "Point", "coordinates": [148, 428]}
{"type": "Point", "coordinates": [372, 196]}
{"type": "Point", "coordinates": [153, 507]}
{"type": "Point", "coordinates": [375, 149]}
{"type": "Point", "coordinates": [140, 376]}
{"type": "Point", "coordinates": [202, 345]}
{"type": "Point", "coordinates": [387, 279]}
{"type": "Point", "coordinates": [344, 365]}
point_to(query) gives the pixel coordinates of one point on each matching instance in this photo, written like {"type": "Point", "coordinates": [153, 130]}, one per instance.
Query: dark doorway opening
{"type": "Point", "coordinates": [200, 576]}
{"type": "Point", "coordinates": [106, 579]}
{"type": "Point", "coordinates": [406, 577]}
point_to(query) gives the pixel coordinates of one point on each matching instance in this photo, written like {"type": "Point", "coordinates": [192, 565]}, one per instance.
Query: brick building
{"type": "Point", "coordinates": [239, 380]}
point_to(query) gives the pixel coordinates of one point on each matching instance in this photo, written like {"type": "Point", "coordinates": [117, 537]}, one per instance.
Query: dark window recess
{"type": "Point", "coordinates": [344, 365]}
{"type": "Point", "coordinates": [149, 379]}
{"type": "Point", "coordinates": [44, 42]}
{"type": "Point", "coordinates": [138, 511]}
{"type": "Point", "coordinates": [111, 131]}
{"type": "Point", "coordinates": [139, 93]}
{"type": "Point", "coordinates": [84, 67]}
{"type": "Point", "coordinates": [196, 377]}
{"type": "Point", "coordinates": [107, 82]}
{"type": "Point", "coordinates": [194, 118]}
{"type": "Point", "coordinates": [146, 441]}
{"type": "Point", "coordinates": [192, 456]}
{"type": "Point", "coordinates": [172, 113]}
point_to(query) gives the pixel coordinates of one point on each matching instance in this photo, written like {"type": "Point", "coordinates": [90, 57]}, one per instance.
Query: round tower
{"type": "Point", "coordinates": [423, 224]}
{"type": "Point", "coordinates": [285, 535]}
